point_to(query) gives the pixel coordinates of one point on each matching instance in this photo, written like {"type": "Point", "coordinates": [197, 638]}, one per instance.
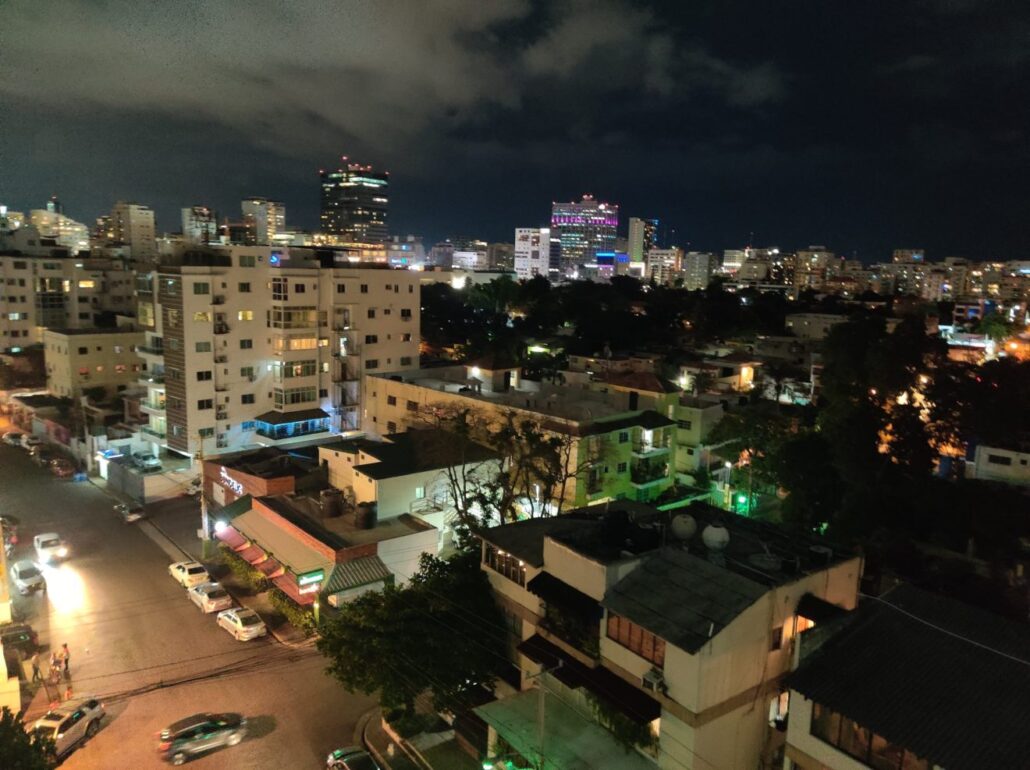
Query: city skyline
{"type": "Point", "coordinates": [803, 126]}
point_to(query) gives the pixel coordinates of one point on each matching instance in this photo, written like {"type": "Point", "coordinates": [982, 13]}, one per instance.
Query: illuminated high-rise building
{"type": "Point", "coordinates": [584, 229]}
{"type": "Point", "coordinates": [199, 225]}
{"type": "Point", "coordinates": [643, 236]}
{"type": "Point", "coordinates": [268, 218]}
{"type": "Point", "coordinates": [355, 203]}
{"type": "Point", "coordinates": [133, 224]}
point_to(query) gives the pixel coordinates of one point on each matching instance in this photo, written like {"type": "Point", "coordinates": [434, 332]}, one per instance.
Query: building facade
{"type": "Point", "coordinates": [82, 359]}
{"type": "Point", "coordinates": [199, 225]}
{"type": "Point", "coordinates": [268, 218]}
{"type": "Point", "coordinates": [133, 224]}
{"type": "Point", "coordinates": [532, 252]}
{"type": "Point", "coordinates": [698, 268]}
{"type": "Point", "coordinates": [584, 228]}
{"type": "Point", "coordinates": [355, 204]}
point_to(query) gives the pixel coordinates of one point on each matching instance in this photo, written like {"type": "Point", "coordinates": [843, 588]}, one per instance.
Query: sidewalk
{"type": "Point", "coordinates": [387, 752]}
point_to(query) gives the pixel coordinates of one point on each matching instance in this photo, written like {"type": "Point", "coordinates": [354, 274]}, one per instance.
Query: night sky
{"type": "Point", "coordinates": [860, 125]}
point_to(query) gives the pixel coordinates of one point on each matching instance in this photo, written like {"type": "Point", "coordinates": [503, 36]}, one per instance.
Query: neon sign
{"type": "Point", "coordinates": [230, 482]}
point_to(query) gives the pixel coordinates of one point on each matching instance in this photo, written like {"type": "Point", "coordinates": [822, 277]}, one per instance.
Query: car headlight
{"type": "Point", "coordinates": [62, 552]}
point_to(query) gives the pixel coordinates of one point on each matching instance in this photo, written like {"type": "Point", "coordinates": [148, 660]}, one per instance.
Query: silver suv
{"type": "Point", "coordinates": [71, 723]}
{"type": "Point", "coordinates": [199, 733]}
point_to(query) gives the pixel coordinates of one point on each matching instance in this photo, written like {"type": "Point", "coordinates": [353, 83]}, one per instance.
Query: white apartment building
{"type": "Point", "coordinates": [133, 224]}
{"type": "Point", "coordinates": [73, 235]}
{"type": "Point", "coordinates": [42, 286]}
{"type": "Point", "coordinates": [254, 344]}
{"type": "Point", "coordinates": [697, 267]}
{"type": "Point", "coordinates": [661, 265]}
{"type": "Point", "coordinates": [268, 218]}
{"type": "Point", "coordinates": [82, 359]}
{"type": "Point", "coordinates": [532, 252]}
{"type": "Point", "coordinates": [670, 629]}
{"type": "Point", "coordinates": [199, 225]}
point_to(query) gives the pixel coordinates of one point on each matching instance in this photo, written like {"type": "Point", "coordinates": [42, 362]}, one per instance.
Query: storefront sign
{"type": "Point", "coordinates": [308, 578]}
{"type": "Point", "coordinates": [230, 482]}
{"type": "Point", "coordinates": [312, 588]}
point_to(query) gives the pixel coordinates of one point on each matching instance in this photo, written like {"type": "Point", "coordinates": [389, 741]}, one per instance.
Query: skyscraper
{"type": "Point", "coordinates": [133, 224]}
{"type": "Point", "coordinates": [697, 267]}
{"type": "Point", "coordinates": [355, 203]}
{"type": "Point", "coordinates": [583, 229]}
{"type": "Point", "coordinates": [199, 225]}
{"type": "Point", "coordinates": [643, 236]}
{"type": "Point", "coordinates": [532, 252]}
{"type": "Point", "coordinates": [267, 217]}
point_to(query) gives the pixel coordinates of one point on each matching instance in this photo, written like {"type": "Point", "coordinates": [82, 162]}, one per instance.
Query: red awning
{"type": "Point", "coordinates": [270, 568]}
{"type": "Point", "coordinates": [288, 586]}
{"type": "Point", "coordinates": [231, 537]}
{"type": "Point", "coordinates": [253, 554]}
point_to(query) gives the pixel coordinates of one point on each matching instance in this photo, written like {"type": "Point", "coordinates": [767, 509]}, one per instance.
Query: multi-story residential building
{"type": "Point", "coordinates": [199, 225]}
{"type": "Point", "coordinates": [616, 446]}
{"type": "Point", "coordinates": [441, 254]}
{"type": "Point", "coordinates": [697, 267]}
{"type": "Point", "coordinates": [732, 259]}
{"type": "Point", "coordinates": [471, 255]}
{"type": "Point", "coordinates": [908, 255]}
{"type": "Point", "coordinates": [133, 224]}
{"type": "Point", "coordinates": [584, 229]}
{"type": "Point", "coordinates": [670, 631]}
{"type": "Point", "coordinates": [500, 256]}
{"type": "Point", "coordinates": [812, 267]}
{"type": "Point", "coordinates": [532, 252]}
{"type": "Point", "coordinates": [812, 326]}
{"type": "Point", "coordinates": [264, 345]}
{"type": "Point", "coordinates": [695, 419]}
{"type": "Point", "coordinates": [662, 265]}
{"type": "Point", "coordinates": [405, 252]}
{"type": "Point", "coordinates": [1009, 465]}
{"type": "Point", "coordinates": [78, 360]}
{"type": "Point", "coordinates": [910, 681]}
{"type": "Point", "coordinates": [643, 236]}
{"type": "Point", "coordinates": [355, 204]}
{"type": "Point", "coordinates": [41, 287]}
{"type": "Point", "coordinates": [268, 218]}
{"type": "Point", "coordinates": [11, 220]}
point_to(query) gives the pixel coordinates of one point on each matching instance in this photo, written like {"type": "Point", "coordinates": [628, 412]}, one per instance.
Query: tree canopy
{"type": "Point", "coordinates": [21, 750]}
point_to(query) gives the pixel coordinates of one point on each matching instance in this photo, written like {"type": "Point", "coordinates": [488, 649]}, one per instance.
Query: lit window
{"type": "Point", "coordinates": [245, 315]}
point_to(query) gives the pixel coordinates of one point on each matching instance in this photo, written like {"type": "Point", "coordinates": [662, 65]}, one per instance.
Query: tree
{"type": "Point", "coordinates": [994, 326]}
{"type": "Point", "coordinates": [804, 467]}
{"type": "Point", "coordinates": [755, 432]}
{"type": "Point", "coordinates": [443, 632]}
{"type": "Point", "coordinates": [21, 750]}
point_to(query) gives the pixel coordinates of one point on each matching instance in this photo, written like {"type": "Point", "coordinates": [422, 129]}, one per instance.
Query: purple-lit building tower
{"type": "Point", "coordinates": [583, 229]}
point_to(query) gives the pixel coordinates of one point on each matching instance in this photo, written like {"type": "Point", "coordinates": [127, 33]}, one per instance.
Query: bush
{"type": "Point", "coordinates": [246, 574]}
{"type": "Point", "coordinates": [299, 617]}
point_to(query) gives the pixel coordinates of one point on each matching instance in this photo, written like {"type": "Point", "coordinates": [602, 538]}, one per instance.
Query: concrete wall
{"type": "Point", "coordinates": [989, 464]}
{"type": "Point", "coordinates": [401, 554]}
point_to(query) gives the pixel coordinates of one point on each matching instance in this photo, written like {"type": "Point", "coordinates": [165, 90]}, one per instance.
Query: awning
{"type": "Point", "coordinates": [818, 610]}
{"type": "Point", "coordinates": [356, 573]}
{"type": "Point", "coordinates": [231, 537]}
{"type": "Point", "coordinates": [270, 568]}
{"type": "Point", "coordinates": [253, 554]}
{"type": "Point", "coordinates": [288, 586]}
{"type": "Point", "coordinates": [284, 418]}
{"type": "Point", "coordinates": [558, 592]}
{"type": "Point", "coordinates": [620, 694]}
{"type": "Point", "coordinates": [573, 741]}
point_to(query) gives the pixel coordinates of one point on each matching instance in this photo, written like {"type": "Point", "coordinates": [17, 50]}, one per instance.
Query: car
{"type": "Point", "coordinates": [196, 734]}
{"type": "Point", "coordinates": [210, 597]}
{"type": "Point", "coordinates": [42, 454]}
{"type": "Point", "coordinates": [71, 723]}
{"type": "Point", "coordinates": [244, 624]}
{"type": "Point", "coordinates": [62, 468]}
{"type": "Point", "coordinates": [130, 513]}
{"type": "Point", "coordinates": [351, 758]}
{"type": "Point", "coordinates": [26, 577]}
{"type": "Point", "coordinates": [50, 548]}
{"type": "Point", "coordinates": [28, 441]}
{"type": "Point", "coordinates": [20, 637]}
{"type": "Point", "coordinates": [13, 438]}
{"type": "Point", "coordinates": [146, 462]}
{"type": "Point", "coordinates": [189, 573]}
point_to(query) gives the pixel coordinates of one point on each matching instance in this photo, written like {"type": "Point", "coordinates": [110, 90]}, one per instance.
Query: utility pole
{"type": "Point", "coordinates": [205, 528]}
{"type": "Point", "coordinates": [541, 710]}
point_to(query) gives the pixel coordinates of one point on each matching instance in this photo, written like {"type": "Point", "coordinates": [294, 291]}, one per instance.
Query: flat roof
{"type": "Point", "coordinates": [420, 450]}
{"type": "Point", "coordinates": [93, 331]}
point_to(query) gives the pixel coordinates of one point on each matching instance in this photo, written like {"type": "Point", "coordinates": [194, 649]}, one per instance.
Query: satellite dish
{"type": "Point", "coordinates": [715, 537]}
{"type": "Point", "coordinates": [684, 526]}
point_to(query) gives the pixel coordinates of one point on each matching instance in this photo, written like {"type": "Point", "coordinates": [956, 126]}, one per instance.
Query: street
{"type": "Point", "coordinates": [137, 641]}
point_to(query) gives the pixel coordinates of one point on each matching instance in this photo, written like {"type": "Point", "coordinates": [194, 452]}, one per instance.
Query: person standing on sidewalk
{"type": "Point", "coordinates": [37, 675]}
{"type": "Point", "coordinates": [66, 660]}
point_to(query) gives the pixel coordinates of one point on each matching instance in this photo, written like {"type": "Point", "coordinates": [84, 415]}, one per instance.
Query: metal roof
{"type": "Point", "coordinates": [356, 573]}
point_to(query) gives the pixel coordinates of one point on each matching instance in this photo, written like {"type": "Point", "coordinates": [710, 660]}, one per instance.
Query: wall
{"type": "Point", "coordinates": [573, 568]}
{"type": "Point", "coordinates": [799, 738]}
{"type": "Point", "coordinates": [401, 554]}
{"type": "Point", "coordinates": [1016, 472]}
{"type": "Point", "coordinates": [109, 360]}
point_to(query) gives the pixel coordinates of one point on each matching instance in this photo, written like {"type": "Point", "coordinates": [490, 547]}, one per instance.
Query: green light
{"type": "Point", "coordinates": [741, 499]}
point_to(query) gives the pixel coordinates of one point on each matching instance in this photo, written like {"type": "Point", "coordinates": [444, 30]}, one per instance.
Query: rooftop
{"type": "Point", "coordinates": [419, 450]}
{"type": "Point", "coordinates": [95, 331]}
{"type": "Point", "coordinates": [947, 681]}
{"type": "Point", "coordinates": [267, 463]}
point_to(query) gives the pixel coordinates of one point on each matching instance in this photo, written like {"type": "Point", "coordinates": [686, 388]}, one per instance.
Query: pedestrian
{"type": "Point", "coordinates": [66, 659]}
{"type": "Point", "coordinates": [55, 667]}
{"type": "Point", "coordinates": [68, 695]}
{"type": "Point", "coordinates": [37, 675]}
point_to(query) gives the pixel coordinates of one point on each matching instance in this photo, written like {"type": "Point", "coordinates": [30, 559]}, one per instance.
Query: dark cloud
{"type": "Point", "coordinates": [863, 125]}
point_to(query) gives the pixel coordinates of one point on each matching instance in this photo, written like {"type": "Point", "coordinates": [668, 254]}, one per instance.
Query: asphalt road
{"type": "Point", "coordinates": [138, 642]}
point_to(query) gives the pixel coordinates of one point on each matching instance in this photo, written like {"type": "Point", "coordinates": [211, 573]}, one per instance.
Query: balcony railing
{"type": "Point", "coordinates": [154, 351]}
{"type": "Point", "coordinates": [156, 432]}
{"type": "Point", "coordinates": [157, 406]}
{"type": "Point", "coordinates": [642, 449]}
{"type": "Point", "coordinates": [221, 414]}
{"type": "Point", "coordinates": [218, 299]}
{"type": "Point", "coordinates": [221, 359]}
{"type": "Point", "coordinates": [648, 473]}
{"type": "Point", "coordinates": [221, 329]}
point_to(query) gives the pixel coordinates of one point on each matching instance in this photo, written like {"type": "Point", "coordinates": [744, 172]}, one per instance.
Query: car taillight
{"type": "Point", "coordinates": [164, 746]}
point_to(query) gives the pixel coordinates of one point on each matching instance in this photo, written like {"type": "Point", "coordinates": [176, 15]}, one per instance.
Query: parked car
{"type": "Point", "coordinates": [210, 597]}
{"type": "Point", "coordinates": [42, 454]}
{"type": "Point", "coordinates": [26, 577]}
{"type": "Point", "coordinates": [28, 441]}
{"type": "Point", "coordinates": [244, 624]}
{"type": "Point", "coordinates": [13, 438]}
{"type": "Point", "coordinates": [71, 723]}
{"type": "Point", "coordinates": [50, 548]}
{"type": "Point", "coordinates": [19, 638]}
{"type": "Point", "coordinates": [130, 513]}
{"type": "Point", "coordinates": [62, 468]}
{"type": "Point", "coordinates": [196, 734]}
{"type": "Point", "coordinates": [189, 573]}
{"type": "Point", "coordinates": [146, 462]}
{"type": "Point", "coordinates": [351, 758]}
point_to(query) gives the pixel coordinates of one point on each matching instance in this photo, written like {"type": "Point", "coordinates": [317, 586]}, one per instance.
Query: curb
{"type": "Point", "coordinates": [361, 736]}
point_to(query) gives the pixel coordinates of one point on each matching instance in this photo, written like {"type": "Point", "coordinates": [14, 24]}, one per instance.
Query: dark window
{"type": "Point", "coordinates": [636, 639]}
{"type": "Point", "coordinates": [203, 376]}
{"type": "Point", "coordinates": [371, 312]}
{"type": "Point", "coordinates": [244, 288]}
{"type": "Point", "coordinates": [621, 467]}
{"type": "Point", "coordinates": [412, 406]}
{"type": "Point", "coordinates": [850, 737]}
{"type": "Point", "coordinates": [685, 424]}
{"type": "Point", "coordinates": [246, 344]}
{"type": "Point", "coordinates": [391, 427]}
{"type": "Point", "coordinates": [247, 398]}
{"type": "Point", "coordinates": [83, 351]}
{"type": "Point", "coordinates": [299, 288]}
{"type": "Point", "coordinates": [205, 403]}
{"type": "Point", "coordinates": [999, 460]}
{"type": "Point", "coordinates": [371, 339]}
{"type": "Point", "coordinates": [372, 363]}
{"type": "Point", "coordinates": [777, 638]}
{"type": "Point", "coordinates": [405, 360]}
{"type": "Point", "coordinates": [364, 288]}
{"type": "Point", "coordinates": [623, 437]}
{"type": "Point", "coordinates": [391, 400]}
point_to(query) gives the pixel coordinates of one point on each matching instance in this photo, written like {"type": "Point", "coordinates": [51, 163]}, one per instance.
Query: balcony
{"type": "Point", "coordinates": [221, 388]}
{"type": "Point", "coordinates": [221, 414]}
{"type": "Point", "coordinates": [151, 350]}
{"type": "Point", "coordinates": [650, 448]}
{"type": "Point", "coordinates": [221, 328]}
{"type": "Point", "coordinates": [153, 432]}
{"type": "Point", "coordinates": [151, 379]}
{"type": "Point", "coordinates": [218, 299]}
{"type": "Point", "coordinates": [645, 474]}
{"type": "Point", "coordinates": [221, 359]}
{"type": "Point", "coordinates": [152, 407]}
